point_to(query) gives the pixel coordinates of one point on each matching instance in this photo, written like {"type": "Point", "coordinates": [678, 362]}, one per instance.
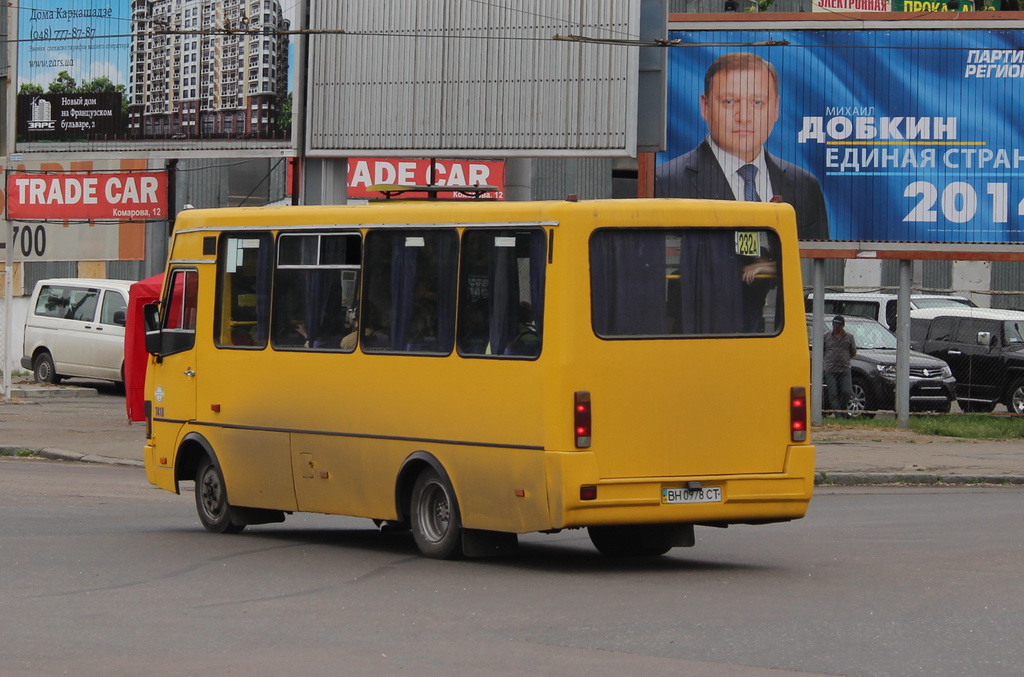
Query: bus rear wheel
{"type": "Point", "coordinates": [434, 512]}
{"type": "Point", "coordinates": [212, 500]}
{"type": "Point", "coordinates": [644, 540]}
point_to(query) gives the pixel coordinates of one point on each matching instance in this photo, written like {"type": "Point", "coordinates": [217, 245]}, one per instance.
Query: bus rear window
{"type": "Point", "coordinates": [652, 283]}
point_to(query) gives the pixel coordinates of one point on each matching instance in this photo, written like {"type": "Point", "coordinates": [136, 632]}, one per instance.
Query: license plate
{"type": "Point", "coordinates": [683, 495]}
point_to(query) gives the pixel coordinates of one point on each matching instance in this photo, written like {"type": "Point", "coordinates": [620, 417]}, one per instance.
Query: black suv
{"type": "Point", "coordinates": [984, 348]}
{"type": "Point", "coordinates": [932, 386]}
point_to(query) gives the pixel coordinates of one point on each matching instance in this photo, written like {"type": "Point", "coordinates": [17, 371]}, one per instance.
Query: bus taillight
{"type": "Point", "coordinates": [798, 413]}
{"type": "Point", "coordinates": [581, 418]}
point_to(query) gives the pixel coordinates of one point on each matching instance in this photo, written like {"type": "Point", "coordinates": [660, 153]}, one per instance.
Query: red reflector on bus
{"type": "Point", "coordinates": [798, 414]}
{"type": "Point", "coordinates": [588, 493]}
{"type": "Point", "coordinates": [582, 418]}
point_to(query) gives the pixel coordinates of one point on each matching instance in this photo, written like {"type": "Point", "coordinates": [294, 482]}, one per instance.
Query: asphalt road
{"type": "Point", "coordinates": [104, 575]}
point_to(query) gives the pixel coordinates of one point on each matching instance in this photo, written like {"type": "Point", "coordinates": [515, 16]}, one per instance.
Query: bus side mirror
{"type": "Point", "coordinates": [151, 320]}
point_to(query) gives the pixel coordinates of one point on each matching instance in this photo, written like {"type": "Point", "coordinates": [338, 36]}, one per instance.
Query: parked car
{"type": "Point", "coordinates": [983, 346]}
{"type": "Point", "coordinates": [932, 385]}
{"type": "Point", "coordinates": [76, 328]}
{"type": "Point", "coordinates": [882, 307]}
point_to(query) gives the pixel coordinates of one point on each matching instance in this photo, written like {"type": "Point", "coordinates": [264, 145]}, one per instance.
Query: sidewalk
{"type": "Point", "coordinates": [90, 424]}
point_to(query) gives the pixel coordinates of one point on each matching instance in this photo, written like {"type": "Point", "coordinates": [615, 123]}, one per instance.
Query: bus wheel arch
{"type": "Point", "coordinates": [428, 503]}
{"type": "Point", "coordinates": [412, 467]}
{"type": "Point", "coordinates": [197, 460]}
{"type": "Point", "coordinates": [190, 453]}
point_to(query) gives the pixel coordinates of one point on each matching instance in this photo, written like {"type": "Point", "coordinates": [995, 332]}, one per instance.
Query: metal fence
{"type": "Point", "coordinates": [965, 352]}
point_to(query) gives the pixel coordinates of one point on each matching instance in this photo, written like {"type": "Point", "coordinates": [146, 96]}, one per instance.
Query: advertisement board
{"type": "Point", "coordinates": [92, 196]}
{"type": "Point", "coordinates": [912, 135]}
{"type": "Point", "coordinates": [82, 210]}
{"type": "Point", "coordinates": [212, 73]}
{"type": "Point", "coordinates": [366, 172]}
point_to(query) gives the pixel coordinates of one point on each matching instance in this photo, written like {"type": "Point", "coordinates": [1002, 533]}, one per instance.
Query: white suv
{"type": "Point", "coordinates": [75, 327]}
{"type": "Point", "coordinates": [882, 307]}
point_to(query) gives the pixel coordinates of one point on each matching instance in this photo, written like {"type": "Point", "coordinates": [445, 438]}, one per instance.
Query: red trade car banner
{"type": "Point", "coordinates": [120, 196]}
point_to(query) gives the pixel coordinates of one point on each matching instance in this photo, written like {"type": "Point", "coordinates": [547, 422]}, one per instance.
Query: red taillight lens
{"type": "Point", "coordinates": [798, 413]}
{"type": "Point", "coordinates": [581, 418]}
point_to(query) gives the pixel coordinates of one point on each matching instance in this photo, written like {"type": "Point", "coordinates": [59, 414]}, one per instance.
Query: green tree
{"type": "Point", "coordinates": [63, 84]}
{"type": "Point", "coordinates": [284, 116]}
{"type": "Point", "coordinates": [101, 85]}
{"type": "Point", "coordinates": [30, 88]}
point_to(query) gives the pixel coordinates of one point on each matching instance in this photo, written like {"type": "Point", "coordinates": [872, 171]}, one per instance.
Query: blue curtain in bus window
{"type": "Point", "coordinates": [403, 290]}
{"type": "Point", "coordinates": [710, 282]}
{"type": "Point", "coordinates": [447, 256]}
{"type": "Point", "coordinates": [537, 254]}
{"type": "Point", "coordinates": [628, 282]}
{"type": "Point", "coordinates": [316, 303]}
{"type": "Point", "coordinates": [263, 276]}
{"type": "Point", "coordinates": [504, 300]}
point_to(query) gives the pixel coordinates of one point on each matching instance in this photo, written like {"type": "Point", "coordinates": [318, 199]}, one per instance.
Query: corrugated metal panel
{"type": "Point", "coordinates": [203, 183]}
{"type": "Point", "coordinates": [587, 178]}
{"type": "Point", "coordinates": [1008, 276]}
{"type": "Point", "coordinates": [460, 77]}
{"type": "Point", "coordinates": [926, 274]}
{"type": "Point", "coordinates": [44, 270]}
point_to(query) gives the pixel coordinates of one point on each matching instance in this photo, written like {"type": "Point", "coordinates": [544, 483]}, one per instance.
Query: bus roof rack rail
{"type": "Point", "coordinates": [390, 190]}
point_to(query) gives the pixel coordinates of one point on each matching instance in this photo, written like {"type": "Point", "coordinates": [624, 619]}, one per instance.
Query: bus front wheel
{"type": "Point", "coordinates": [212, 500]}
{"type": "Point", "coordinates": [436, 523]}
{"type": "Point", "coordinates": [643, 540]}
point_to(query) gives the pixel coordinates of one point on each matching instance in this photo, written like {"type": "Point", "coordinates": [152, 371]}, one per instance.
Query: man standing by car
{"type": "Point", "coordinates": [839, 348]}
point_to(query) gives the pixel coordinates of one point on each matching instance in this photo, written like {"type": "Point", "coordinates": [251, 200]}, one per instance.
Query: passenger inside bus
{"type": "Point", "coordinates": [526, 340]}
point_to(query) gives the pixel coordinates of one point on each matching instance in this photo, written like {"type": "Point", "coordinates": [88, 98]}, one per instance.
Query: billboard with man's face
{"type": "Point", "coordinates": [911, 135]}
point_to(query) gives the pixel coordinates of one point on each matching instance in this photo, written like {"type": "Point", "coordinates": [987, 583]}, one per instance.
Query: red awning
{"type": "Point", "coordinates": [135, 356]}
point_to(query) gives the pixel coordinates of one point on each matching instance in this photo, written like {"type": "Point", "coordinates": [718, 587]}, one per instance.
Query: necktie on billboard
{"type": "Point", "coordinates": [748, 173]}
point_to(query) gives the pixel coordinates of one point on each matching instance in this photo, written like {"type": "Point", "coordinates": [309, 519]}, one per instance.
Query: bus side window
{"type": "Point", "coordinates": [316, 290]}
{"type": "Point", "coordinates": [408, 300]}
{"type": "Point", "coordinates": [685, 282]}
{"type": "Point", "coordinates": [179, 320]}
{"type": "Point", "coordinates": [501, 293]}
{"type": "Point", "coordinates": [243, 290]}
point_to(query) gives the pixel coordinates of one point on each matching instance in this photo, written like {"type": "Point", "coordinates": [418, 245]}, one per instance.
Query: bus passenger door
{"type": "Point", "coordinates": [172, 388]}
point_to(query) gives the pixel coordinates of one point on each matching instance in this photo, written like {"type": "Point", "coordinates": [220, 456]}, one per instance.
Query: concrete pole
{"type": "Point", "coordinates": [519, 179]}
{"type": "Point", "coordinates": [903, 346]}
{"type": "Point", "coordinates": [817, 332]}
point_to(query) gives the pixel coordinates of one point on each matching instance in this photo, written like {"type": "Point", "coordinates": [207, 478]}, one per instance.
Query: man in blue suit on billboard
{"type": "Point", "coordinates": [740, 104]}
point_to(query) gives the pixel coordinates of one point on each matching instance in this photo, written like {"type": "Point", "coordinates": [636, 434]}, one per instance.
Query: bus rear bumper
{"type": "Point", "coordinates": [741, 499]}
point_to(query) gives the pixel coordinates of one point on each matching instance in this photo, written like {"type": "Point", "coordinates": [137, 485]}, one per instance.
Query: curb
{"type": "Point", "coordinates": [52, 392]}
{"type": "Point", "coordinates": [74, 456]}
{"type": "Point", "coordinates": [852, 479]}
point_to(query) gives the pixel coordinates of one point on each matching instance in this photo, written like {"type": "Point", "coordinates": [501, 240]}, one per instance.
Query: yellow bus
{"type": "Point", "coordinates": [473, 371]}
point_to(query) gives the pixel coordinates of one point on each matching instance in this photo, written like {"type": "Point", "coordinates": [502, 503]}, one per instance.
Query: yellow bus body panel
{"type": "Point", "coordinates": [330, 432]}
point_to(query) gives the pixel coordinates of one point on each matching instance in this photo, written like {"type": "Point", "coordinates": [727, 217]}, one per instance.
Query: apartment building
{"type": "Point", "coordinates": [207, 68]}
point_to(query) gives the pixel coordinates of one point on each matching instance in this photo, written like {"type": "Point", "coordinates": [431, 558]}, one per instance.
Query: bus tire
{"type": "Point", "coordinates": [643, 540]}
{"type": "Point", "coordinates": [435, 518]}
{"type": "Point", "coordinates": [212, 499]}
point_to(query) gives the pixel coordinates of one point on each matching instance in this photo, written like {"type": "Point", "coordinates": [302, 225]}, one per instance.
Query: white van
{"type": "Point", "coordinates": [75, 327]}
{"type": "Point", "coordinates": [882, 307]}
